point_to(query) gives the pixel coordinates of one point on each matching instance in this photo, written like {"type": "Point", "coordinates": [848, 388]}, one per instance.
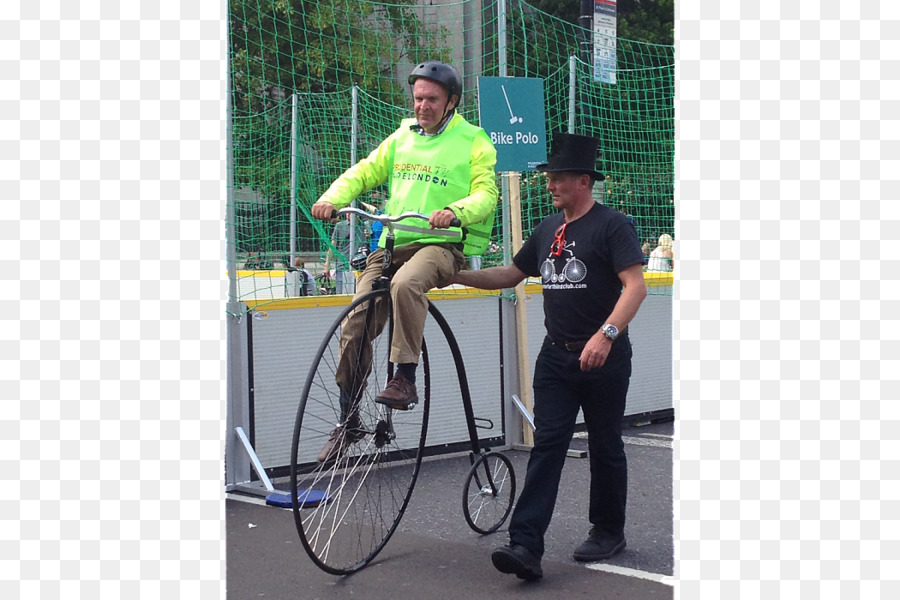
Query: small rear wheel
{"type": "Point", "coordinates": [489, 492]}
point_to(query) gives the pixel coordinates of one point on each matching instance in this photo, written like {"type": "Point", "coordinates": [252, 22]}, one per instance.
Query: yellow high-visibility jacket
{"type": "Point", "coordinates": [454, 169]}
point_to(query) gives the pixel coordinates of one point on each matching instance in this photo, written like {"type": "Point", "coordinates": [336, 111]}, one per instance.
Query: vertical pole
{"type": "Point", "coordinates": [504, 182]}
{"type": "Point", "coordinates": [354, 126]}
{"type": "Point", "coordinates": [586, 22]}
{"type": "Point", "coordinates": [230, 241]}
{"type": "Point", "coordinates": [294, 166]}
{"type": "Point", "coordinates": [509, 330]}
{"type": "Point", "coordinates": [521, 319]}
{"type": "Point", "coordinates": [354, 142]}
{"type": "Point", "coordinates": [237, 411]}
{"type": "Point", "coordinates": [573, 65]}
{"type": "Point", "coordinates": [501, 36]}
{"type": "Point", "coordinates": [501, 50]}
{"type": "Point", "coordinates": [470, 51]}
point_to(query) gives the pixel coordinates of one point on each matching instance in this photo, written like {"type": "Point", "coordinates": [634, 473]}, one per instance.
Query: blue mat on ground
{"type": "Point", "coordinates": [306, 498]}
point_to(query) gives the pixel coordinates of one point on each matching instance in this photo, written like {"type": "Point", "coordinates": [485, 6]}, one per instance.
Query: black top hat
{"type": "Point", "coordinates": [572, 153]}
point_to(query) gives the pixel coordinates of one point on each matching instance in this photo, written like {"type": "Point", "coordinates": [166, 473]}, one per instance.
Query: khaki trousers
{"type": "Point", "coordinates": [419, 268]}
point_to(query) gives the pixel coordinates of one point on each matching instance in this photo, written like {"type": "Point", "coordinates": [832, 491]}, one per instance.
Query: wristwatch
{"type": "Point", "coordinates": [610, 331]}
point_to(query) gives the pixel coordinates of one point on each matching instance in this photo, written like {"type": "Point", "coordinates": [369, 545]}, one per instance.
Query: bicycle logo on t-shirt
{"type": "Point", "coordinates": [572, 272]}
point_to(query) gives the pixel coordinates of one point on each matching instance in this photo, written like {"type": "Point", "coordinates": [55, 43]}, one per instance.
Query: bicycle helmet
{"type": "Point", "coordinates": [441, 73]}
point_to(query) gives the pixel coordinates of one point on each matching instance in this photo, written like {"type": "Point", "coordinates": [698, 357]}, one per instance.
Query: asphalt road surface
{"type": "Point", "coordinates": [434, 554]}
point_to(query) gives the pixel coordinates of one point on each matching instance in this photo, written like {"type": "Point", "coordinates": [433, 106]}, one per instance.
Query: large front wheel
{"type": "Point", "coordinates": [354, 462]}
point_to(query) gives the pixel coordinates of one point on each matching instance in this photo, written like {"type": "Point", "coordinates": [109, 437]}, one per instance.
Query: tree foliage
{"type": "Point", "coordinates": [649, 21]}
{"type": "Point", "coordinates": [283, 46]}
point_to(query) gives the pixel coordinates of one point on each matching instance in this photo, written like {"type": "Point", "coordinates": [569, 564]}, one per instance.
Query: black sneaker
{"type": "Point", "coordinates": [600, 545]}
{"type": "Point", "coordinates": [400, 393]}
{"type": "Point", "coordinates": [341, 437]}
{"type": "Point", "coordinates": [518, 560]}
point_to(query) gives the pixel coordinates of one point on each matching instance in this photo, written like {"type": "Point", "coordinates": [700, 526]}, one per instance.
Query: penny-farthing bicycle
{"type": "Point", "coordinates": [349, 502]}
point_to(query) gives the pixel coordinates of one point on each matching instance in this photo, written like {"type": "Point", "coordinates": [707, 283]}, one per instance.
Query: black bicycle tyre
{"type": "Point", "coordinates": [366, 490]}
{"type": "Point", "coordinates": [486, 507]}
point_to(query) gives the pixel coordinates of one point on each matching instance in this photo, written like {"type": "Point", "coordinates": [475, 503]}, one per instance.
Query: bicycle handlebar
{"type": "Point", "coordinates": [385, 219]}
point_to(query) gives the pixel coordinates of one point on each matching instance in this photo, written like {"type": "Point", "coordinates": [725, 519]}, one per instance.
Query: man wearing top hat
{"type": "Point", "coordinates": [589, 259]}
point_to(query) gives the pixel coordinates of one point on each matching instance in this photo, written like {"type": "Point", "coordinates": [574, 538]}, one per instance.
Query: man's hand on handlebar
{"type": "Point", "coordinates": [322, 210]}
{"type": "Point", "coordinates": [441, 219]}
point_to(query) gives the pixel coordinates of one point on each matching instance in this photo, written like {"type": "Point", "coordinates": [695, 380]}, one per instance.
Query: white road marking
{"type": "Point", "coordinates": [645, 442]}
{"type": "Point", "coordinates": [667, 436]}
{"type": "Point", "coordinates": [665, 442]}
{"type": "Point", "coordinates": [658, 577]}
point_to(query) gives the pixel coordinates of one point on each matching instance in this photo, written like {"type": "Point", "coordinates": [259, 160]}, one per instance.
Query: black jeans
{"type": "Point", "coordinates": [560, 389]}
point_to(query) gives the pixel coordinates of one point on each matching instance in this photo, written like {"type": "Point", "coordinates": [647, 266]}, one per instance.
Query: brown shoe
{"type": "Point", "coordinates": [341, 437]}
{"type": "Point", "coordinates": [399, 394]}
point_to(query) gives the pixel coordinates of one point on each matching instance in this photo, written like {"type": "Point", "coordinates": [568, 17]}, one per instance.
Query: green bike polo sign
{"type": "Point", "coordinates": [511, 111]}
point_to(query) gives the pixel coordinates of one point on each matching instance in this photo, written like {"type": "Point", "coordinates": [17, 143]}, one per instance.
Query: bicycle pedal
{"type": "Point", "coordinates": [397, 406]}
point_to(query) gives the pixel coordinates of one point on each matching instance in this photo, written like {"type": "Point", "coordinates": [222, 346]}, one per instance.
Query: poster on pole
{"type": "Point", "coordinates": [511, 112]}
{"type": "Point", "coordinates": [605, 41]}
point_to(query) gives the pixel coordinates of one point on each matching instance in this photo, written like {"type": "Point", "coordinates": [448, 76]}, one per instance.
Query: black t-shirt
{"type": "Point", "coordinates": [581, 285]}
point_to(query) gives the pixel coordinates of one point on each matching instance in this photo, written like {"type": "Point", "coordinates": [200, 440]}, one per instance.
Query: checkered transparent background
{"type": "Point", "coordinates": [112, 337]}
{"type": "Point", "coordinates": [112, 170]}
{"type": "Point", "coordinates": [787, 298]}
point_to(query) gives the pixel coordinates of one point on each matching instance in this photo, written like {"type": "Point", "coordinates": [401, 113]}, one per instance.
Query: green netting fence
{"type": "Point", "coordinates": [315, 86]}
